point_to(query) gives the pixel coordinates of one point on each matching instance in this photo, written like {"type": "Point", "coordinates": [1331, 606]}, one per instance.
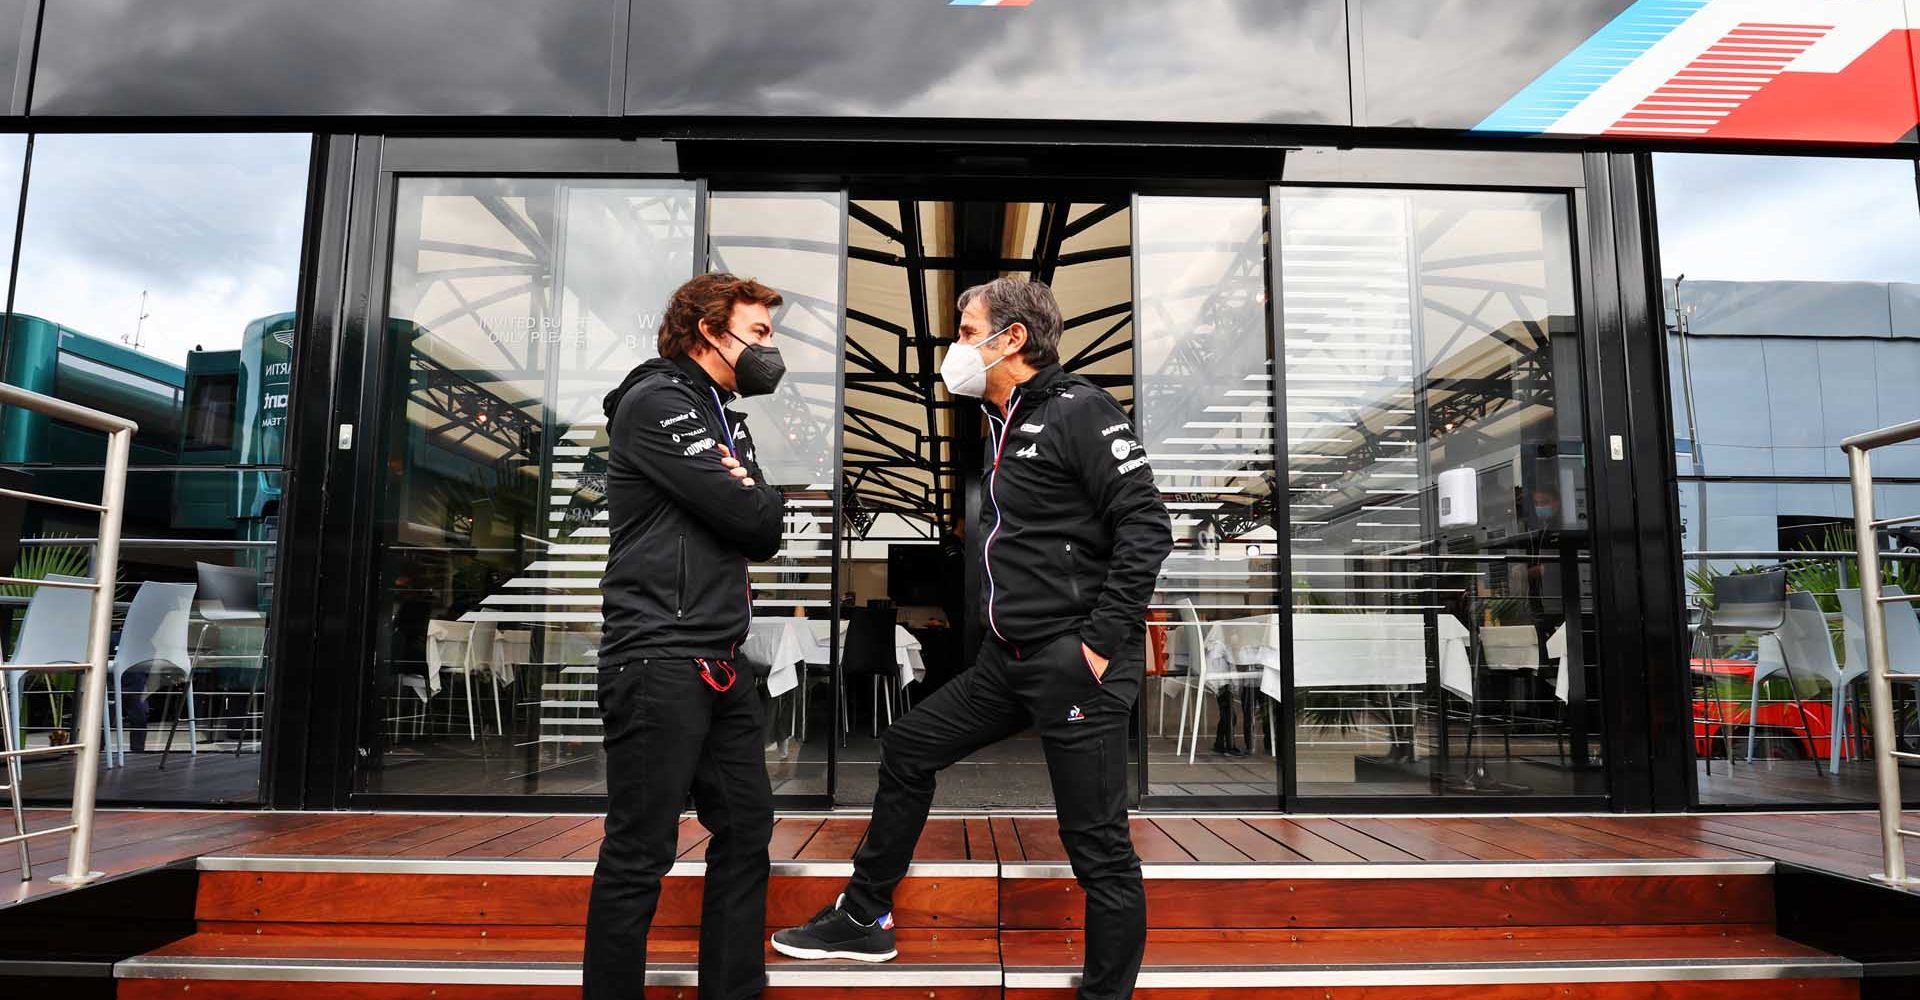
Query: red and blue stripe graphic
{"type": "Point", "coordinates": [1770, 70]}
{"type": "Point", "coordinates": [988, 3]}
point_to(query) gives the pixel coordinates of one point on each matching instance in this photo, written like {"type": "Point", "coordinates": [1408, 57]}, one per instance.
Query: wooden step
{"type": "Point", "coordinates": [269, 895]}
{"type": "Point", "coordinates": [1697, 961]}
{"type": "Point", "coordinates": [1483, 894]}
{"type": "Point", "coordinates": [961, 964]}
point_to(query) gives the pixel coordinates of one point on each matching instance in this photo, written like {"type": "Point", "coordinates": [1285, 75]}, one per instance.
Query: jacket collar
{"type": "Point", "coordinates": [1044, 382]}
{"type": "Point", "coordinates": [700, 378]}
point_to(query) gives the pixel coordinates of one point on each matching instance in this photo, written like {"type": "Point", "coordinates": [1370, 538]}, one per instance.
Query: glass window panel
{"type": "Point", "coordinates": [216, 532]}
{"type": "Point", "coordinates": [1436, 479]}
{"type": "Point", "coordinates": [147, 262]}
{"type": "Point", "coordinates": [1792, 289]}
{"type": "Point", "coordinates": [157, 279]}
{"type": "Point", "coordinates": [1205, 408]}
{"type": "Point", "coordinates": [794, 243]}
{"type": "Point", "coordinates": [515, 305]}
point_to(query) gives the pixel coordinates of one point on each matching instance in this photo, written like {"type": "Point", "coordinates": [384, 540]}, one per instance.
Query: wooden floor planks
{"type": "Point", "coordinates": [133, 840]}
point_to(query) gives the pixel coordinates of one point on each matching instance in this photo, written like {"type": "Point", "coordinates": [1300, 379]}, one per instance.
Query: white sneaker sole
{"type": "Point", "coordinates": [821, 953]}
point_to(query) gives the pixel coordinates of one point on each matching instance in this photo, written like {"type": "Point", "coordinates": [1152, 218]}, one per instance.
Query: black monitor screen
{"type": "Point", "coordinates": [913, 574]}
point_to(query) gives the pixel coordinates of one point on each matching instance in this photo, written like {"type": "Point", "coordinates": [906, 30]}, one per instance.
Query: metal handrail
{"type": "Point", "coordinates": [106, 562]}
{"type": "Point", "coordinates": [1886, 755]}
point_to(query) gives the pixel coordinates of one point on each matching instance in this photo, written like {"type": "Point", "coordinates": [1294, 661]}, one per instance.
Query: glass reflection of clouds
{"type": "Point", "coordinates": [163, 242]}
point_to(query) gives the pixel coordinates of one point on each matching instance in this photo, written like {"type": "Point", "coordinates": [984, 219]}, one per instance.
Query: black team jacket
{"type": "Point", "coordinates": [1074, 528]}
{"type": "Point", "coordinates": [683, 528]}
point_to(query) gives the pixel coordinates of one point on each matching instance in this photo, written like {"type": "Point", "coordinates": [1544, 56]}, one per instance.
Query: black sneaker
{"type": "Point", "coordinates": [833, 933]}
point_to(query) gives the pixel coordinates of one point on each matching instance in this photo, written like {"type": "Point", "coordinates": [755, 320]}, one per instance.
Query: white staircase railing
{"type": "Point", "coordinates": [1886, 752]}
{"type": "Point", "coordinates": [89, 734]}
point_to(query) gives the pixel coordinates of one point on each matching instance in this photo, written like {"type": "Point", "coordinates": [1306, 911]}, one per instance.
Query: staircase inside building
{"type": "Point", "coordinates": [1262, 907]}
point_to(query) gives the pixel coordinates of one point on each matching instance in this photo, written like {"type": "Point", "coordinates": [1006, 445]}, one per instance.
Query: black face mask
{"type": "Point", "coordinates": [759, 369]}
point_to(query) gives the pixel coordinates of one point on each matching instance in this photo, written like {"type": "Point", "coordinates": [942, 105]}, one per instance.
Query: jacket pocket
{"type": "Point", "coordinates": [680, 580]}
{"type": "Point", "coordinates": [1073, 575]}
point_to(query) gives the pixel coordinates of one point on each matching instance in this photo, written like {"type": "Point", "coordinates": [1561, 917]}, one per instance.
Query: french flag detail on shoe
{"type": "Point", "coordinates": [885, 922]}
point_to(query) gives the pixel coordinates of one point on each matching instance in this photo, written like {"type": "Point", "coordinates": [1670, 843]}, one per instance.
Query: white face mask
{"type": "Point", "coordinates": [963, 370]}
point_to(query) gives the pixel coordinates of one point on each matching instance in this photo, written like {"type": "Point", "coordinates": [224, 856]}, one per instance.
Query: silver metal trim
{"type": "Point", "coordinates": [1675, 970]}
{"type": "Point", "coordinates": [482, 973]}
{"type": "Point", "coordinates": [1309, 871]}
{"type": "Point", "coordinates": [347, 864]}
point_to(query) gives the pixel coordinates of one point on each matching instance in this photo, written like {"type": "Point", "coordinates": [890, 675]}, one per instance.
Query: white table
{"type": "Point", "coordinates": [450, 645]}
{"type": "Point", "coordinates": [785, 643]}
{"type": "Point", "coordinates": [1329, 650]}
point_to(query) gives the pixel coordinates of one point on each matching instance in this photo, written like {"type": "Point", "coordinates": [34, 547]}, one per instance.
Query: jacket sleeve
{"type": "Point", "coordinates": [1122, 487]}
{"type": "Point", "coordinates": [672, 443]}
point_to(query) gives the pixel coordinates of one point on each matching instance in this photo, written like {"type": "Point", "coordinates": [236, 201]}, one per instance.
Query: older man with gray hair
{"type": "Point", "coordinates": [1074, 537]}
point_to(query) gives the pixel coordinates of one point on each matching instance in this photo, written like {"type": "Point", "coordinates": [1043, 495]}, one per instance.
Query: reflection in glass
{"type": "Point", "coordinates": [794, 243]}
{"type": "Point", "coordinates": [192, 709]}
{"type": "Point", "coordinates": [156, 278]}
{"type": "Point", "coordinates": [1437, 488]}
{"type": "Point", "coordinates": [1206, 417]}
{"type": "Point", "coordinates": [1792, 290]}
{"type": "Point", "coordinates": [515, 305]}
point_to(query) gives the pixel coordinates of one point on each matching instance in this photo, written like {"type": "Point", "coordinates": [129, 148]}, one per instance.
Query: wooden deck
{"type": "Point", "coordinates": [379, 906]}
{"type": "Point", "coordinates": [1845, 843]}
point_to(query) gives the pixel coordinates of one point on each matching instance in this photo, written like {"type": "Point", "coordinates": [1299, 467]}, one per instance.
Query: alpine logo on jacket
{"type": "Point", "coordinates": [1030, 451]}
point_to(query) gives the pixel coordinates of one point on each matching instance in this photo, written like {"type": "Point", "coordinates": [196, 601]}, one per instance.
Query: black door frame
{"type": "Point", "coordinates": [330, 591]}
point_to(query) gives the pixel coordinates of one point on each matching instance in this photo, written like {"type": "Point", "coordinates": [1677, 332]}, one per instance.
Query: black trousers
{"type": "Point", "coordinates": [1083, 726]}
{"type": "Point", "coordinates": [667, 734]}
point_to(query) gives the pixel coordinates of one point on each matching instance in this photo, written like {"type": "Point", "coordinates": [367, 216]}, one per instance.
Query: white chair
{"type": "Point", "coordinates": [1806, 644]}
{"type": "Point", "coordinates": [1190, 647]}
{"type": "Point", "coordinates": [487, 650]}
{"type": "Point", "coordinates": [1206, 673]}
{"type": "Point", "coordinates": [1903, 644]}
{"type": "Point", "coordinates": [154, 635]}
{"type": "Point", "coordinates": [53, 631]}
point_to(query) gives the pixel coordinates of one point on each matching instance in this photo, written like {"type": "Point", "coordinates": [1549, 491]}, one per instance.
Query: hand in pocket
{"type": "Point", "coordinates": [1095, 662]}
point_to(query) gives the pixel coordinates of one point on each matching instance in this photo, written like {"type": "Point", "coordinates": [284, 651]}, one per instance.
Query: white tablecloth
{"type": "Point", "coordinates": [1329, 650]}
{"type": "Point", "coordinates": [450, 646]}
{"type": "Point", "coordinates": [785, 643]}
{"type": "Point", "coordinates": [1557, 652]}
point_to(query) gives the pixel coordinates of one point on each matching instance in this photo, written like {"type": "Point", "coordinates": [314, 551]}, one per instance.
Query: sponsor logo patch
{"type": "Point", "coordinates": [698, 446]}
{"type": "Point", "coordinates": [1126, 467]}
{"type": "Point", "coordinates": [1112, 429]}
{"type": "Point", "coordinates": [670, 421]}
{"type": "Point", "coordinates": [1032, 428]}
{"type": "Point", "coordinates": [1121, 449]}
{"type": "Point", "coordinates": [1075, 715]}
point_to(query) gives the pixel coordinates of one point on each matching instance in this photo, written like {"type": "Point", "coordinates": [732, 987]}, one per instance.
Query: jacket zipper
{"type": "Point", "coordinates": [680, 581]}
{"type": "Point", "coordinates": [1073, 575]}
{"type": "Point", "coordinates": [993, 482]}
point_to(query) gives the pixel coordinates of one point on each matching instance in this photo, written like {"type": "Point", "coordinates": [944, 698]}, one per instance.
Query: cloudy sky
{"type": "Point", "coordinates": [209, 226]}
{"type": "Point", "coordinates": [1772, 218]}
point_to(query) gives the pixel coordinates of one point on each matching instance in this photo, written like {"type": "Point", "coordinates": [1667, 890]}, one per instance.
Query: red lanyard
{"type": "Point", "coordinates": [706, 674]}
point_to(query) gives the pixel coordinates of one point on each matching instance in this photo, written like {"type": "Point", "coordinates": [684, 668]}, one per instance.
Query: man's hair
{"type": "Point", "coordinates": [709, 297]}
{"type": "Point", "coordinates": [1028, 303]}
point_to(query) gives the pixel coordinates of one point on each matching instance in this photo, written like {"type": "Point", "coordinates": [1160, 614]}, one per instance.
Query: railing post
{"type": "Point", "coordinates": [93, 703]}
{"type": "Point", "coordinates": [1886, 770]}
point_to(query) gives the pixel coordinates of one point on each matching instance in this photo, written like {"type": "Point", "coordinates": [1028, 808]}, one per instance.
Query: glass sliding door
{"type": "Point", "coordinates": [514, 305]}
{"type": "Point", "coordinates": [1436, 483]}
{"type": "Point", "coordinates": [795, 242]}
{"type": "Point", "coordinates": [1205, 409]}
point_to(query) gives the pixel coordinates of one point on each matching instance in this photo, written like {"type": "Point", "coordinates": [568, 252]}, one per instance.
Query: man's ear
{"type": "Point", "coordinates": [1016, 339]}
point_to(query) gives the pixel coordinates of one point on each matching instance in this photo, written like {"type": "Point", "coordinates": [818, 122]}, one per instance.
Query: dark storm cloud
{"type": "Point", "coordinates": [324, 57]}
{"type": "Point", "coordinates": [1196, 60]}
